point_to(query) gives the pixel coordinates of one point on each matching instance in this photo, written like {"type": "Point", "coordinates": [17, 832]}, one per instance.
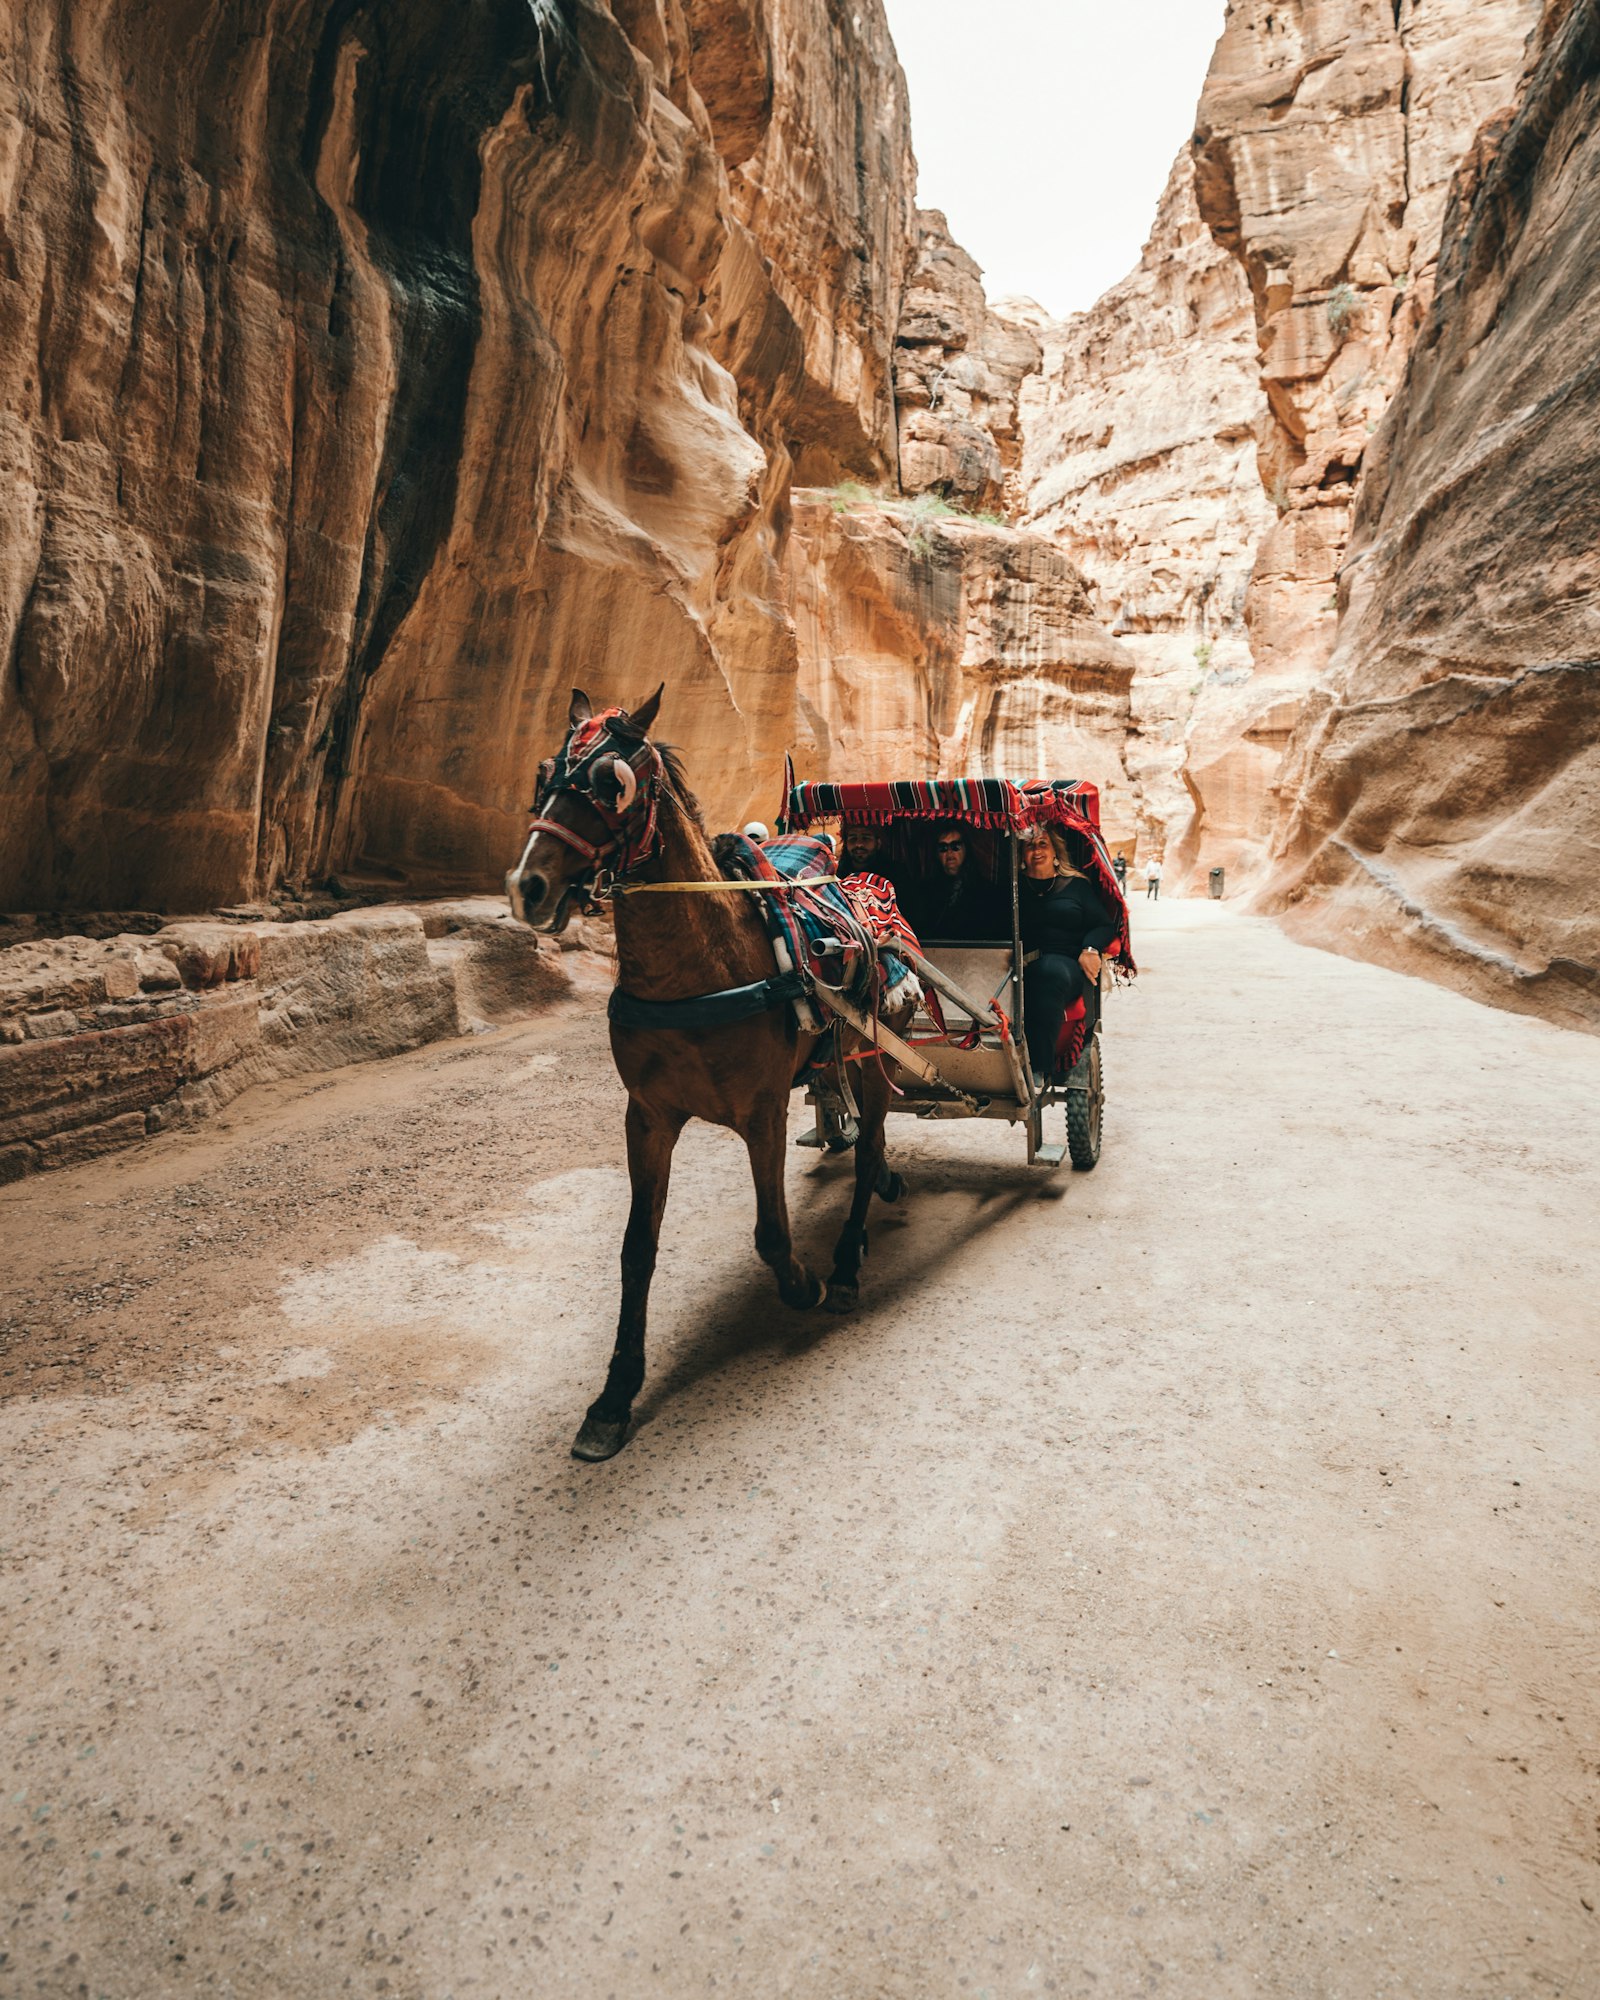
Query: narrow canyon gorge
{"type": "Point", "coordinates": [365, 384]}
{"type": "Point", "coordinates": [556, 1440]}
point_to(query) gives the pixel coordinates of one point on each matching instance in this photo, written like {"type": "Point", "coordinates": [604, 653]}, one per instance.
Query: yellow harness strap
{"type": "Point", "coordinates": [716, 888]}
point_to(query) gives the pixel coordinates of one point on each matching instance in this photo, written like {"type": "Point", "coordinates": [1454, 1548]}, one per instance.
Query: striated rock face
{"type": "Point", "coordinates": [1327, 135]}
{"type": "Point", "coordinates": [1140, 462]}
{"type": "Point", "coordinates": [1197, 437]}
{"type": "Point", "coordinates": [959, 373]}
{"type": "Point", "coordinates": [934, 639]}
{"type": "Point", "coordinates": [367, 379]}
{"type": "Point", "coordinates": [828, 196]}
{"type": "Point", "coordinates": [946, 647]}
{"type": "Point", "coordinates": [1442, 787]}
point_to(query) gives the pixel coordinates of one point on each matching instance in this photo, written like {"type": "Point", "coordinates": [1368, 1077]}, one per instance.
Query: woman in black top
{"type": "Point", "coordinates": [1065, 921]}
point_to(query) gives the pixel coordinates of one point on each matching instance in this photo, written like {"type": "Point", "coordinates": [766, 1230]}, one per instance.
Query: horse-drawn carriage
{"type": "Point", "coordinates": [979, 1069]}
{"type": "Point", "coordinates": [745, 969]}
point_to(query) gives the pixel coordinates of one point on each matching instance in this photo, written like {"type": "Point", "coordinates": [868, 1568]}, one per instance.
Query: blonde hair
{"type": "Point", "coordinates": [1065, 865]}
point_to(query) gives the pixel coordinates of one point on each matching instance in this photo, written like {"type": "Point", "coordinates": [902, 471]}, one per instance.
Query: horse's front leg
{"type": "Point", "coordinates": [651, 1139]}
{"type": "Point", "coordinates": [765, 1138]}
{"type": "Point", "coordinates": [873, 1176]}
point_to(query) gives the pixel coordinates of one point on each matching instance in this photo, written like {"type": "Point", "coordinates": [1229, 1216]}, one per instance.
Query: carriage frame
{"type": "Point", "coordinates": [985, 1074]}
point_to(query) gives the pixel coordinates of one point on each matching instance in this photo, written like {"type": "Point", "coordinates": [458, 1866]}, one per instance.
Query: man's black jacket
{"type": "Point", "coordinates": [961, 907]}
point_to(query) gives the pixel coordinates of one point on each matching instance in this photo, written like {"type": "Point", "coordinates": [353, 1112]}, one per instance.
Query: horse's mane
{"type": "Point", "coordinates": [678, 784]}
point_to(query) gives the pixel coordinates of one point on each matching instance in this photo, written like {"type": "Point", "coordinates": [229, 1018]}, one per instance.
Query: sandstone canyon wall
{"type": "Point", "coordinates": [1195, 441]}
{"type": "Point", "coordinates": [936, 636]}
{"type": "Point", "coordinates": [1140, 462]}
{"type": "Point", "coordinates": [960, 370]}
{"type": "Point", "coordinates": [366, 378]}
{"type": "Point", "coordinates": [1442, 786]}
{"type": "Point", "coordinates": [946, 647]}
{"type": "Point", "coordinates": [1327, 135]}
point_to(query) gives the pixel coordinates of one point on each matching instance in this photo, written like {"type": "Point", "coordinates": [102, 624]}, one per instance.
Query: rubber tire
{"type": "Point", "coordinates": [1086, 1111]}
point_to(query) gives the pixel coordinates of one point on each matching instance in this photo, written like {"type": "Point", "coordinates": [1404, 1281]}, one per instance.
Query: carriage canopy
{"type": "Point", "coordinates": [984, 802]}
{"type": "Point", "coordinates": [995, 806]}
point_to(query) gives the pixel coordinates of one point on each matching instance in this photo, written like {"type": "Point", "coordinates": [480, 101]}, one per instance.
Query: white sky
{"type": "Point", "coordinates": [1045, 129]}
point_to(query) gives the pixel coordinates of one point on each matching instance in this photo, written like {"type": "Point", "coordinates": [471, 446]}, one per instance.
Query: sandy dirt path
{"type": "Point", "coordinates": [1179, 1579]}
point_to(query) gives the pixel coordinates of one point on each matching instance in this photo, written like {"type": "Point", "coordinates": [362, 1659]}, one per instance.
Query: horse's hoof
{"type": "Point", "coordinates": [809, 1296]}
{"type": "Point", "coordinates": [599, 1439]}
{"type": "Point", "coordinates": [891, 1186]}
{"type": "Point", "coordinates": [843, 1298]}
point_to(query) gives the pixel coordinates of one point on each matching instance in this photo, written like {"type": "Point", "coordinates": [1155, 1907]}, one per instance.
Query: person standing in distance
{"type": "Point", "coordinates": [1152, 882]}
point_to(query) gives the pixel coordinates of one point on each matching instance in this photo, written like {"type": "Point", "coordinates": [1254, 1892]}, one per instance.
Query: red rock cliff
{"type": "Point", "coordinates": [1441, 791]}
{"type": "Point", "coordinates": [367, 376]}
{"type": "Point", "coordinates": [1140, 461]}
{"type": "Point", "coordinates": [1197, 438]}
{"type": "Point", "coordinates": [940, 645]}
{"type": "Point", "coordinates": [1327, 135]}
{"type": "Point", "coordinates": [1326, 138]}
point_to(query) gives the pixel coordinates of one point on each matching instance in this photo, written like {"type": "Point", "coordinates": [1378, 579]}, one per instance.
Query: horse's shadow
{"type": "Point", "coordinates": [748, 1315]}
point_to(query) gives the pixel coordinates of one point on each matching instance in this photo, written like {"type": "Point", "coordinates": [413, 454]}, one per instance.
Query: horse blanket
{"type": "Point", "coordinates": [838, 936]}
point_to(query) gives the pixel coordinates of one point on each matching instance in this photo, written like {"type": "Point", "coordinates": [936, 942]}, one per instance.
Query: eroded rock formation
{"type": "Point", "coordinates": [1442, 786]}
{"type": "Point", "coordinates": [1197, 438]}
{"type": "Point", "coordinates": [959, 374]}
{"type": "Point", "coordinates": [827, 197]}
{"type": "Point", "coordinates": [1326, 138]}
{"type": "Point", "coordinates": [935, 636]}
{"type": "Point", "coordinates": [934, 646]}
{"type": "Point", "coordinates": [1139, 460]}
{"type": "Point", "coordinates": [366, 379]}
{"type": "Point", "coordinates": [1327, 135]}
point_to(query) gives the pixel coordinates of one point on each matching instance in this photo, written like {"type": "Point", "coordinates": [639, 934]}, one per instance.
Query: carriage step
{"type": "Point", "coordinates": [1049, 1156]}
{"type": "Point", "coordinates": [839, 1139]}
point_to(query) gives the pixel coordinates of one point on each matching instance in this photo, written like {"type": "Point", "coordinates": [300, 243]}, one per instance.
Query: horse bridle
{"type": "Point", "coordinates": [602, 757]}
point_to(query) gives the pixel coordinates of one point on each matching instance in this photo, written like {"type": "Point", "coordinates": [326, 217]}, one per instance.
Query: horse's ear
{"type": "Point", "coordinates": [643, 717]}
{"type": "Point", "coordinates": [580, 711]}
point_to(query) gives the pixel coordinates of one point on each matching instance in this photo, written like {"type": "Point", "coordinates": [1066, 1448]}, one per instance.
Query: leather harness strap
{"type": "Point", "coordinates": [716, 888]}
{"type": "Point", "coordinates": [634, 839]}
{"type": "Point", "coordinates": [569, 838]}
{"type": "Point", "coordinates": [706, 1010]}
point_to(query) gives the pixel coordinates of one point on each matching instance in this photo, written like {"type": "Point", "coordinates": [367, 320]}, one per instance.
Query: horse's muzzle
{"type": "Point", "coordinates": [541, 905]}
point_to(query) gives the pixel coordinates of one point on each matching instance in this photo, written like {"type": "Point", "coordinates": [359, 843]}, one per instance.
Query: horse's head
{"type": "Point", "coordinates": [595, 810]}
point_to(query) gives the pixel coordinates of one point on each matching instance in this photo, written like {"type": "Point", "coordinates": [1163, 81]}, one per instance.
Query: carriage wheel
{"type": "Point", "coordinates": [1086, 1103]}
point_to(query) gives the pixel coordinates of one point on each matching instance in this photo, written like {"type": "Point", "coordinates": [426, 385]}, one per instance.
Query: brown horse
{"type": "Point", "coordinates": [612, 799]}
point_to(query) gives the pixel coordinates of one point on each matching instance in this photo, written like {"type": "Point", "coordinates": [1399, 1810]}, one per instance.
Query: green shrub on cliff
{"type": "Point", "coordinates": [918, 511]}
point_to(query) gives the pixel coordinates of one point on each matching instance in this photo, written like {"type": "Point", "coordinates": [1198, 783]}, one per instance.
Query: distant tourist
{"type": "Point", "coordinates": [1152, 882]}
{"type": "Point", "coordinates": [1119, 868]}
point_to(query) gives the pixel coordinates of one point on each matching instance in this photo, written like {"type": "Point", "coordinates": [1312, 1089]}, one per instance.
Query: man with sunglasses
{"type": "Point", "coordinates": [959, 904]}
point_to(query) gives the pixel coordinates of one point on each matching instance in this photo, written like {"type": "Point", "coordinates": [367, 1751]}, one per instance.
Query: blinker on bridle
{"type": "Point", "coordinates": [588, 761]}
